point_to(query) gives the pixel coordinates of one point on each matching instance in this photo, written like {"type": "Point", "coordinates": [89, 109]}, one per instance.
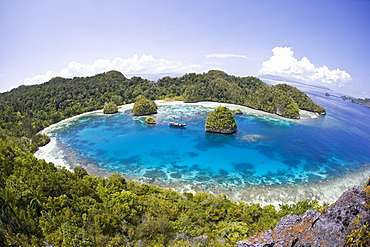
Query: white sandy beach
{"type": "Point", "coordinates": [51, 152]}
{"type": "Point", "coordinates": [325, 191]}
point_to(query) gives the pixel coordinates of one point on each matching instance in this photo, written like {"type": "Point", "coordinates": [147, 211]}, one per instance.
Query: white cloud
{"type": "Point", "coordinates": [145, 64]}
{"type": "Point", "coordinates": [283, 63]}
{"type": "Point", "coordinates": [224, 55]}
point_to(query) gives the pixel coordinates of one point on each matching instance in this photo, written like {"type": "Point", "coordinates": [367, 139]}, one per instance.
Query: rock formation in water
{"type": "Point", "coordinates": [150, 120]}
{"type": "Point", "coordinates": [330, 228]}
{"type": "Point", "coordinates": [110, 108]}
{"type": "Point", "coordinates": [144, 106]}
{"type": "Point", "coordinates": [221, 120]}
{"type": "Point", "coordinates": [238, 112]}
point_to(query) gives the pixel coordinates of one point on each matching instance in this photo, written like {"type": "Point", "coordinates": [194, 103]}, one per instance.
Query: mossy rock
{"type": "Point", "coordinates": [110, 108]}
{"type": "Point", "coordinates": [144, 106]}
{"type": "Point", "coordinates": [222, 121]}
{"type": "Point", "coordinates": [238, 112]}
{"type": "Point", "coordinates": [150, 120]}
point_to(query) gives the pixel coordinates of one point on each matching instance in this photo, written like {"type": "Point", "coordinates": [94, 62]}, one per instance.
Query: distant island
{"type": "Point", "coordinates": [365, 102]}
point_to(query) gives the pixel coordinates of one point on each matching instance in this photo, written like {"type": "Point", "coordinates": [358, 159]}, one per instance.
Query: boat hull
{"type": "Point", "coordinates": [173, 124]}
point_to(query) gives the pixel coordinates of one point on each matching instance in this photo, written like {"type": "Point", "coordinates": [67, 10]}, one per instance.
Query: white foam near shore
{"type": "Point", "coordinates": [232, 107]}
{"type": "Point", "coordinates": [44, 151]}
{"type": "Point", "coordinates": [325, 191]}
{"type": "Point", "coordinates": [50, 154]}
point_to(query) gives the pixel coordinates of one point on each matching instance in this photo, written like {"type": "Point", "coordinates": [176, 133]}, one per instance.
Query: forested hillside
{"type": "Point", "coordinates": [39, 202]}
{"type": "Point", "coordinates": [26, 110]}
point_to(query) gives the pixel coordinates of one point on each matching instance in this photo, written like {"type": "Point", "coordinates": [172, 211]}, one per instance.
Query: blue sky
{"type": "Point", "coordinates": [318, 42]}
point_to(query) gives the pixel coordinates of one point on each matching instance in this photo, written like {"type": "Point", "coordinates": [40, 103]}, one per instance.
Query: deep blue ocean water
{"type": "Point", "coordinates": [265, 150]}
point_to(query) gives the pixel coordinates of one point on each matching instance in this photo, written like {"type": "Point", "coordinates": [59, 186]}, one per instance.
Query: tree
{"type": "Point", "coordinates": [80, 172]}
{"type": "Point", "coordinates": [74, 236]}
{"type": "Point", "coordinates": [117, 99]}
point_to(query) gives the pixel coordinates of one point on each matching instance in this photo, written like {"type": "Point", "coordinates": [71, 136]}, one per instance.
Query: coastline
{"type": "Point", "coordinates": [325, 191]}
{"type": "Point", "coordinates": [52, 152]}
{"type": "Point", "coordinates": [64, 121]}
{"type": "Point", "coordinates": [305, 115]}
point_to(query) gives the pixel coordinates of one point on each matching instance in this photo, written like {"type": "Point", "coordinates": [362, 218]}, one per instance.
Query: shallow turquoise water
{"type": "Point", "coordinates": [264, 150]}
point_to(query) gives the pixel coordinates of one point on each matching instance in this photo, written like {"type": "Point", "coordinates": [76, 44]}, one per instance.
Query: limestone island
{"type": "Point", "coordinates": [110, 108]}
{"type": "Point", "coordinates": [144, 106]}
{"type": "Point", "coordinates": [221, 120]}
{"type": "Point", "coordinates": [150, 120]}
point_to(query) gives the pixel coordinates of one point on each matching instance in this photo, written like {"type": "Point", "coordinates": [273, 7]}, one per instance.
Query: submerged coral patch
{"type": "Point", "coordinates": [244, 167]}
{"type": "Point", "coordinates": [252, 137]}
{"type": "Point", "coordinates": [193, 154]}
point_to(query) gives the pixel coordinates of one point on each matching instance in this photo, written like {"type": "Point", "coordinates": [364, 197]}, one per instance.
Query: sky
{"type": "Point", "coordinates": [323, 42]}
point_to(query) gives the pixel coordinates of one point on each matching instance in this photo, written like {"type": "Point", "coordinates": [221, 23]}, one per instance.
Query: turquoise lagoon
{"type": "Point", "coordinates": [266, 150]}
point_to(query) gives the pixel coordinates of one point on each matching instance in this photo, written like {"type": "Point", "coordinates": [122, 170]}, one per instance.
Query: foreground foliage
{"type": "Point", "coordinates": [39, 202]}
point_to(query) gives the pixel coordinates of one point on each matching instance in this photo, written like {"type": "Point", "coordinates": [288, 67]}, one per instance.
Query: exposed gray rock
{"type": "Point", "coordinates": [329, 228]}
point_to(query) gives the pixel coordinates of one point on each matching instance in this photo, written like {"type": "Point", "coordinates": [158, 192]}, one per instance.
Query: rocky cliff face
{"type": "Point", "coordinates": [329, 228]}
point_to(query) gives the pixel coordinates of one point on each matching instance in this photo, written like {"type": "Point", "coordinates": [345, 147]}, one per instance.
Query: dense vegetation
{"type": "Point", "coordinates": [110, 108]}
{"type": "Point", "coordinates": [221, 120]}
{"type": "Point", "coordinates": [303, 101]}
{"type": "Point", "coordinates": [144, 106]}
{"type": "Point", "coordinates": [248, 91]}
{"type": "Point", "coordinates": [39, 202]}
{"type": "Point", "coordinates": [26, 110]}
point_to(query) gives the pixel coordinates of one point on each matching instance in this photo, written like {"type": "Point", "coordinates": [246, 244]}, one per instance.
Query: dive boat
{"type": "Point", "coordinates": [175, 124]}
